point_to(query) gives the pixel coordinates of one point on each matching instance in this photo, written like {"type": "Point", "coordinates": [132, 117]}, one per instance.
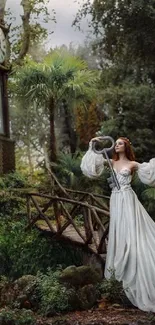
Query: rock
{"type": "Point", "coordinates": [24, 281]}
{"type": "Point", "coordinates": [79, 276]}
{"type": "Point", "coordinates": [26, 292]}
{"type": "Point", "coordinates": [83, 298]}
{"type": "Point", "coordinates": [7, 293]}
{"type": "Point", "coordinates": [87, 297]}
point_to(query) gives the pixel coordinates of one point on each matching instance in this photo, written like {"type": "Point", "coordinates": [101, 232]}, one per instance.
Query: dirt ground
{"type": "Point", "coordinates": [105, 315]}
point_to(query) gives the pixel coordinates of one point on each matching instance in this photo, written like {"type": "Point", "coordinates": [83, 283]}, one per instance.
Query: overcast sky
{"type": "Point", "coordinates": [65, 13]}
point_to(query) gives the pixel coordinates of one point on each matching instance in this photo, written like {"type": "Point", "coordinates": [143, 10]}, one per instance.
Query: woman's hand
{"type": "Point", "coordinates": [97, 139]}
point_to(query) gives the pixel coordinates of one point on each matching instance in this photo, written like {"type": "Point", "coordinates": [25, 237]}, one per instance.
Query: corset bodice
{"type": "Point", "coordinates": [124, 178]}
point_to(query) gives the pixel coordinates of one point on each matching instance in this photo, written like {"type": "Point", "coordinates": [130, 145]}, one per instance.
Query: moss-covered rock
{"type": "Point", "coordinates": [83, 298]}
{"type": "Point", "coordinates": [22, 293]}
{"type": "Point", "coordinates": [24, 282]}
{"type": "Point", "coordinates": [26, 290]}
{"type": "Point", "coordinates": [79, 276]}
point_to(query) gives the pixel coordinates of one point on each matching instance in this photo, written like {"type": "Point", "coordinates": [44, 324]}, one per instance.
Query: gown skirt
{"type": "Point", "coordinates": [131, 245]}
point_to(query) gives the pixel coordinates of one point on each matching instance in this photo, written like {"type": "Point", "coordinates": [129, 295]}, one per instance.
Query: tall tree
{"type": "Point", "coordinates": [30, 32]}
{"type": "Point", "coordinates": [130, 112]}
{"type": "Point", "coordinates": [47, 84]}
{"type": "Point", "coordinates": [126, 31]}
{"type": "Point", "coordinates": [2, 10]}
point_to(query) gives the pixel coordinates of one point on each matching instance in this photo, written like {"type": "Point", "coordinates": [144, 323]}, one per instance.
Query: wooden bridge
{"type": "Point", "coordinates": [78, 217]}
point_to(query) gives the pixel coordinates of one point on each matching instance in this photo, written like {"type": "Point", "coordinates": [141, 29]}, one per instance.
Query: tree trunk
{"type": "Point", "coordinates": [27, 9]}
{"type": "Point", "coordinates": [52, 137]}
{"type": "Point", "coordinates": [69, 127]}
{"type": "Point", "coordinates": [2, 9]}
{"type": "Point", "coordinates": [30, 160]}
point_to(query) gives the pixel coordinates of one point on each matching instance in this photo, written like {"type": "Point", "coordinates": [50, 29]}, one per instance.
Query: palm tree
{"type": "Point", "coordinates": [59, 77]}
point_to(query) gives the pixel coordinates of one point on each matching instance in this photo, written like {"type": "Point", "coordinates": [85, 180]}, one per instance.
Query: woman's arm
{"type": "Point", "coordinates": [146, 172]}
{"type": "Point", "coordinates": [92, 164]}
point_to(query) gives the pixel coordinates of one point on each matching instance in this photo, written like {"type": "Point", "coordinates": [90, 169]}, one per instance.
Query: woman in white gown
{"type": "Point", "coordinates": [131, 244]}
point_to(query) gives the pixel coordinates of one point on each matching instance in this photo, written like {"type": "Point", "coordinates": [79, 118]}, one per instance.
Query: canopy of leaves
{"type": "Point", "coordinates": [130, 112]}
{"type": "Point", "coordinates": [59, 76]}
{"type": "Point", "coordinates": [31, 32]}
{"type": "Point", "coordinates": [116, 21]}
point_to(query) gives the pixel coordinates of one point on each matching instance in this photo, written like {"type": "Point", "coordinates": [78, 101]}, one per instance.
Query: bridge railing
{"type": "Point", "coordinates": [79, 217]}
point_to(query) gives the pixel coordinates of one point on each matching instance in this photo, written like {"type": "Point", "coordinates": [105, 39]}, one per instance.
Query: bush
{"type": "Point", "coordinates": [12, 206]}
{"type": "Point", "coordinates": [113, 291]}
{"type": "Point", "coordinates": [28, 252]}
{"type": "Point", "coordinates": [54, 296]}
{"type": "Point", "coordinates": [16, 317]}
{"type": "Point", "coordinates": [12, 196]}
{"type": "Point", "coordinates": [13, 180]}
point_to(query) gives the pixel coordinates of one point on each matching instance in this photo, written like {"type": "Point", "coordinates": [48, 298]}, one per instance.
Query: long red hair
{"type": "Point", "coordinates": [128, 150]}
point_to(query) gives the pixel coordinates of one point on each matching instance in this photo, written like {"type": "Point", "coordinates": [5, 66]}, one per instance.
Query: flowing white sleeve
{"type": "Point", "coordinates": [92, 164]}
{"type": "Point", "coordinates": [146, 172]}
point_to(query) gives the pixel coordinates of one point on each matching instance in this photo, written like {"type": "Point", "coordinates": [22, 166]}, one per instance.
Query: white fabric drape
{"type": "Point", "coordinates": [146, 172]}
{"type": "Point", "coordinates": [92, 164]}
{"type": "Point", "coordinates": [131, 244]}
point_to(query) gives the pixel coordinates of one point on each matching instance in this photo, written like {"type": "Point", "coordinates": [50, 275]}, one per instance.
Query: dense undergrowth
{"type": "Point", "coordinates": [28, 257]}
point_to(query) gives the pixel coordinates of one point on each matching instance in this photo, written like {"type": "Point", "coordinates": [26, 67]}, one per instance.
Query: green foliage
{"type": "Point", "coordinates": [128, 76]}
{"type": "Point", "coordinates": [59, 76]}
{"type": "Point", "coordinates": [12, 206]}
{"type": "Point", "coordinates": [148, 199]}
{"type": "Point", "coordinates": [125, 28]}
{"type": "Point", "coordinates": [113, 290]}
{"type": "Point", "coordinates": [40, 88]}
{"type": "Point", "coordinates": [54, 296]}
{"type": "Point", "coordinates": [13, 180]}
{"type": "Point", "coordinates": [2, 183]}
{"type": "Point", "coordinates": [145, 194]}
{"type": "Point", "coordinates": [12, 202]}
{"type": "Point", "coordinates": [36, 10]}
{"type": "Point", "coordinates": [130, 112]}
{"type": "Point", "coordinates": [70, 175]}
{"type": "Point", "coordinates": [24, 253]}
{"type": "Point", "coordinates": [69, 172]}
{"type": "Point", "coordinates": [16, 317]}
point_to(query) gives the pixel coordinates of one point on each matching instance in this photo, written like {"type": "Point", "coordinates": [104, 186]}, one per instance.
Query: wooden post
{"type": "Point", "coordinates": [29, 210]}
{"type": "Point", "coordinates": [87, 226]}
{"type": "Point", "coordinates": [57, 215]}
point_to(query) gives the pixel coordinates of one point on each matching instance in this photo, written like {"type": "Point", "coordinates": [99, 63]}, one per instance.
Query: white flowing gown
{"type": "Point", "coordinates": [131, 244]}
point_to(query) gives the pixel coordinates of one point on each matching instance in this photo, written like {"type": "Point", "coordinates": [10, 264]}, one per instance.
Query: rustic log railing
{"type": "Point", "coordinates": [79, 217]}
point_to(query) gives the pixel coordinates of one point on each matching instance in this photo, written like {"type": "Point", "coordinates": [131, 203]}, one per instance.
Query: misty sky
{"type": "Point", "coordinates": [65, 13]}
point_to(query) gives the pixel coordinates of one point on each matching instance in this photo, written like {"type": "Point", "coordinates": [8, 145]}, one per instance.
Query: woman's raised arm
{"type": "Point", "coordinates": [92, 164]}
{"type": "Point", "coordinates": [146, 172]}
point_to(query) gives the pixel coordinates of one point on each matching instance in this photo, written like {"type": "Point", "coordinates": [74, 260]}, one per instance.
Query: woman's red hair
{"type": "Point", "coordinates": [128, 150]}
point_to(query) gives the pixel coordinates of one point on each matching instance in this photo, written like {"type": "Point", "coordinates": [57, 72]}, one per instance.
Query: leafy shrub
{"type": "Point", "coordinates": [113, 290]}
{"type": "Point", "coordinates": [28, 252]}
{"type": "Point", "coordinates": [12, 197]}
{"type": "Point", "coordinates": [16, 317]}
{"type": "Point", "coordinates": [2, 183]}
{"type": "Point", "coordinates": [54, 296]}
{"type": "Point", "coordinates": [13, 180]}
{"type": "Point", "coordinates": [12, 206]}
